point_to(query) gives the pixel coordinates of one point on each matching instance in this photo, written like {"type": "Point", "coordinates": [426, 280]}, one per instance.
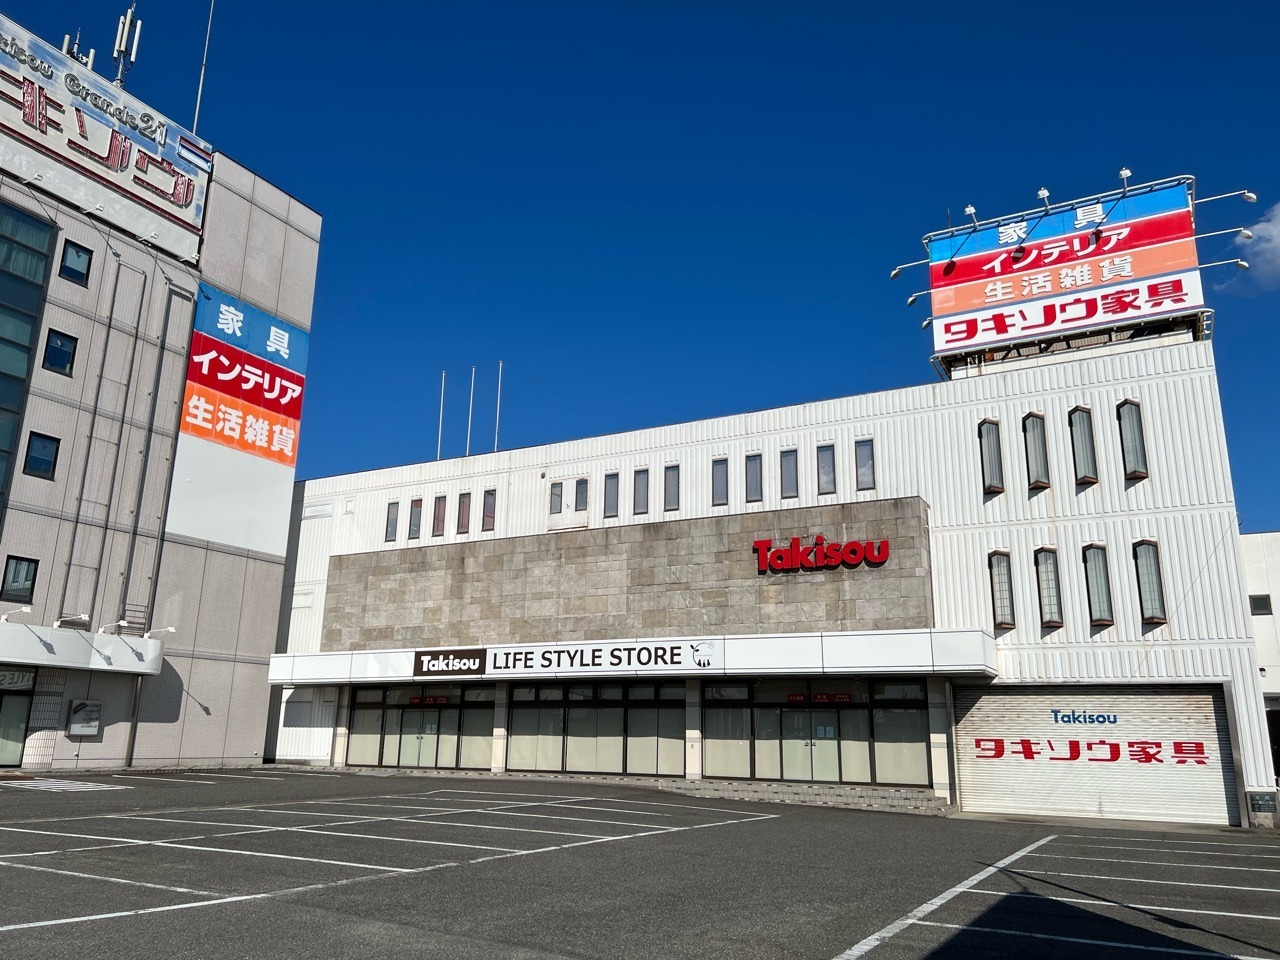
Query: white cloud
{"type": "Point", "coordinates": [1263, 251]}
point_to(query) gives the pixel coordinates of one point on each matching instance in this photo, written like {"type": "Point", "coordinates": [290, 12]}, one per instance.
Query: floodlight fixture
{"type": "Point", "coordinates": [928, 322]}
{"type": "Point", "coordinates": [970, 211]}
{"type": "Point", "coordinates": [61, 620]}
{"type": "Point", "coordinates": [1244, 233]}
{"type": "Point", "coordinates": [119, 623]}
{"type": "Point", "coordinates": [1240, 264]}
{"type": "Point", "coordinates": [1248, 195]}
{"type": "Point", "coordinates": [893, 274]}
{"type": "Point", "coordinates": [147, 635]}
{"type": "Point", "coordinates": [4, 617]}
{"type": "Point", "coordinates": [1043, 194]}
{"type": "Point", "coordinates": [1125, 174]}
{"type": "Point", "coordinates": [911, 300]}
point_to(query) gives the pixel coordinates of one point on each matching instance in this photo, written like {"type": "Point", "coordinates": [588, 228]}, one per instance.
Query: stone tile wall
{"type": "Point", "coordinates": [679, 578]}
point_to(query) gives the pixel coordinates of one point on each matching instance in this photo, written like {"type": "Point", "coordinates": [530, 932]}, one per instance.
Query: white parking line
{"type": "Point", "coordinates": [283, 856]}
{"type": "Point", "coordinates": [1176, 951]}
{"type": "Point", "coordinates": [242, 776]}
{"type": "Point", "coordinates": [490, 826]}
{"type": "Point", "coordinates": [549, 816]}
{"type": "Point", "coordinates": [299, 773]}
{"type": "Point", "coordinates": [1160, 908]}
{"type": "Point", "coordinates": [94, 876]}
{"type": "Point", "coordinates": [579, 806]}
{"type": "Point", "coordinates": [1158, 863]}
{"type": "Point", "coordinates": [1170, 883]}
{"type": "Point", "coordinates": [863, 947]}
{"type": "Point", "coordinates": [1198, 853]}
{"type": "Point", "coordinates": [123, 776]}
{"type": "Point", "coordinates": [435, 843]}
{"type": "Point", "coordinates": [129, 913]}
{"type": "Point", "coordinates": [1202, 843]}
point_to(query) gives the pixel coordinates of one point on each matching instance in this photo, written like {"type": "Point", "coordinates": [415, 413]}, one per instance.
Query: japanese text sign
{"type": "Point", "coordinates": [238, 374]}
{"type": "Point", "coordinates": [1099, 262]}
{"type": "Point", "coordinates": [244, 326]}
{"type": "Point", "coordinates": [78, 136]}
{"type": "Point", "coordinates": [231, 422]}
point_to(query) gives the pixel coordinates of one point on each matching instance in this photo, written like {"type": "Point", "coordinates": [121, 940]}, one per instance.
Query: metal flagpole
{"type": "Point", "coordinates": [498, 412]}
{"type": "Point", "coordinates": [203, 63]}
{"type": "Point", "coordinates": [440, 426]}
{"type": "Point", "coordinates": [470, 404]}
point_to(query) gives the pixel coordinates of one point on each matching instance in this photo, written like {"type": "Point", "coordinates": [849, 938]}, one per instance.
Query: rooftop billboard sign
{"type": "Point", "coordinates": [76, 135]}
{"type": "Point", "coordinates": [1102, 261]}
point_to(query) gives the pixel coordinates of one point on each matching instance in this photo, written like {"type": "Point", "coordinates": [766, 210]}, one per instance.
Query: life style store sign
{"type": "Point", "coordinates": [612, 658]}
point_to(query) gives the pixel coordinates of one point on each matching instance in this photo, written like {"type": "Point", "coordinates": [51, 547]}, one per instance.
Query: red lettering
{"type": "Point", "coordinates": [761, 547]}
{"type": "Point", "coordinates": [853, 553]}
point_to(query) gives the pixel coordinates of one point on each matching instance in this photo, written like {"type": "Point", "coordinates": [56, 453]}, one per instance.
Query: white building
{"type": "Point", "coordinates": [1262, 579]}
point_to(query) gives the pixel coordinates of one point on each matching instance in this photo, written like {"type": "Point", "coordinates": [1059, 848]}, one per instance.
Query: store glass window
{"type": "Point", "coordinates": [1146, 561]}
{"type": "Point", "coordinates": [1033, 436]}
{"type": "Point", "coordinates": [827, 469]}
{"type": "Point", "coordinates": [610, 494]}
{"type": "Point", "coordinates": [1082, 450]}
{"type": "Point", "coordinates": [1098, 585]}
{"type": "Point", "coordinates": [992, 463]}
{"type": "Point", "coordinates": [640, 492]}
{"type": "Point", "coordinates": [1133, 446]}
{"type": "Point", "coordinates": [755, 478]}
{"type": "Point", "coordinates": [790, 477]}
{"type": "Point", "coordinates": [719, 483]}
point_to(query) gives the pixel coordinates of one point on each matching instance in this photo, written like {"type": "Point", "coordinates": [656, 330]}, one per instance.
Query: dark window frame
{"type": "Point", "coordinates": [990, 428]}
{"type": "Point", "coordinates": [1159, 613]}
{"type": "Point", "coordinates": [754, 465]}
{"type": "Point", "coordinates": [1037, 482]}
{"type": "Point", "coordinates": [1099, 618]}
{"type": "Point", "coordinates": [1043, 570]}
{"type": "Point", "coordinates": [415, 519]}
{"type": "Point", "coordinates": [794, 455]}
{"type": "Point", "coordinates": [867, 443]}
{"type": "Point", "coordinates": [1002, 559]}
{"type": "Point", "coordinates": [70, 274]}
{"type": "Point", "coordinates": [439, 513]}
{"type": "Point", "coordinates": [463, 525]}
{"type": "Point", "coordinates": [830, 450]}
{"type": "Point", "coordinates": [580, 492]}
{"type": "Point", "coordinates": [557, 497]}
{"type": "Point", "coordinates": [489, 511]}
{"type": "Point", "coordinates": [19, 597]}
{"type": "Point", "coordinates": [1084, 478]}
{"type": "Point", "coordinates": [639, 483]}
{"type": "Point", "coordinates": [720, 473]}
{"type": "Point", "coordinates": [393, 522]}
{"type": "Point", "coordinates": [670, 504]}
{"type": "Point", "coordinates": [1260, 605]}
{"type": "Point", "coordinates": [610, 495]}
{"type": "Point", "coordinates": [53, 464]}
{"type": "Point", "coordinates": [71, 363]}
{"type": "Point", "coordinates": [1140, 469]}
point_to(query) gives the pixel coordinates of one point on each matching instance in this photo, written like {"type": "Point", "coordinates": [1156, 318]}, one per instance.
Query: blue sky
{"type": "Point", "coordinates": [662, 211]}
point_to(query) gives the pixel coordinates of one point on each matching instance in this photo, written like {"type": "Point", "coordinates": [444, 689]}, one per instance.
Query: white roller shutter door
{"type": "Point", "coordinates": [1151, 753]}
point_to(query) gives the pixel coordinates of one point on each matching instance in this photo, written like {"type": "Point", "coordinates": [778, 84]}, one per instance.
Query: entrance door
{"type": "Point", "coordinates": [797, 745]}
{"type": "Point", "coordinates": [419, 730]}
{"type": "Point", "coordinates": [826, 746]}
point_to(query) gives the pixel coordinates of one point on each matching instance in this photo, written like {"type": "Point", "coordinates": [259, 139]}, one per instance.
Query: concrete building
{"type": "Point", "coordinates": [1018, 590]}
{"type": "Point", "coordinates": [1262, 580]}
{"type": "Point", "coordinates": [142, 540]}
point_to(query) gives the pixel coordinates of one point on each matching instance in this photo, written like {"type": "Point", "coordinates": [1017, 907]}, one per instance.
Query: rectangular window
{"type": "Point", "coordinates": [19, 579]}
{"type": "Point", "coordinates": [580, 495]}
{"type": "Point", "coordinates": [790, 475]}
{"type": "Point", "coordinates": [490, 510]}
{"type": "Point", "coordinates": [1001, 590]}
{"type": "Point", "coordinates": [610, 494]}
{"type": "Point", "coordinates": [42, 456]}
{"type": "Point", "coordinates": [671, 487]}
{"type": "Point", "coordinates": [755, 479]}
{"type": "Point", "coordinates": [75, 263]}
{"type": "Point", "coordinates": [1098, 585]}
{"type": "Point", "coordinates": [827, 469]}
{"type": "Point", "coordinates": [992, 465]}
{"type": "Point", "coordinates": [393, 516]}
{"type": "Point", "coordinates": [1082, 446]}
{"type": "Point", "coordinates": [437, 517]}
{"type": "Point", "coordinates": [640, 492]}
{"type": "Point", "coordinates": [1050, 589]}
{"type": "Point", "coordinates": [1133, 447]}
{"type": "Point", "coordinates": [1037, 451]}
{"type": "Point", "coordinates": [864, 456]}
{"type": "Point", "coordinates": [557, 497]}
{"type": "Point", "coordinates": [415, 519]}
{"type": "Point", "coordinates": [59, 353]}
{"type": "Point", "coordinates": [1146, 561]}
{"type": "Point", "coordinates": [719, 483]}
{"type": "Point", "coordinates": [464, 513]}
{"type": "Point", "coordinates": [1260, 605]}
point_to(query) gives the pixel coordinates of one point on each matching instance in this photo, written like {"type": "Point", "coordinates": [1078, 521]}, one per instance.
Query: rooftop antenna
{"type": "Point", "coordinates": [203, 63]}
{"type": "Point", "coordinates": [440, 425]}
{"type": "Point", "coordinates": [125, 53]}
{"type": "Point", "coordinates": [471, 404]}
{"type": "Point", "coordinates": [72, 49]}
{"type": "Point", "coordinates": [498, 411]}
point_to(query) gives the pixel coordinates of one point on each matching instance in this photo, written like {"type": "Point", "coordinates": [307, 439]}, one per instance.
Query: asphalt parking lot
{"type": "Point", "coordinates": [285, 863]}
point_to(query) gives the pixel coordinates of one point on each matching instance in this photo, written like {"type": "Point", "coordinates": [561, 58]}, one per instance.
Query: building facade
{"type": "Point", "coordinates": [143, 544]}
{"type": "Point", "coordinates": [1262, 579]}
{"type": "Point", "coordinates": [1019, 590]}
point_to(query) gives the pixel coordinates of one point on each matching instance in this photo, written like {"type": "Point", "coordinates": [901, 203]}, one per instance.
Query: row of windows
{"type": "Point", "coordinates": [788, 470]}
{"type": "Point", "coordinates": [439, 510]}
{"type": "Point", "coordinates": [1133, 449]}
{"type": "Point", "coordinates": [1097, 579]}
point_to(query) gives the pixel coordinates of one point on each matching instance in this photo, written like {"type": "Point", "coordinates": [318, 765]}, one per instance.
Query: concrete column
{"type": "Point", "coordinates": [341, 727]}
{"type": "Point", "coordinates": [940, 739]}
{"type": "Point", "coordinates": [500, 714]}
{"type": "Point", "coordinates": [693, 729]}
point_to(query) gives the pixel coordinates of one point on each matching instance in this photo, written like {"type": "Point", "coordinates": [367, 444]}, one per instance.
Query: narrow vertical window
{"type": "Point", "coordinates": [580, 495]}
{"type": "Point", "coordinates": [1098, 585]}
{"type": "Point", "coordinates": [719, 483]}
{"type": "Point", "coordinates": [437, 518]}
{"type": "Point", "coordinates": [1037, 451]}
{"type": "Point", "coordinates": [992, 465]}
{"type": "Point", "coordinates": [1050, 590]}
{"type": "Point", "coordinates": [489, 511]}
{"type": "Point", "coordinates": [827, 469]}
{"type": "Point", "coordinates": [1082, 446]}
{"type": "Point", "coordinates": [393, 517]}
{"type": "Point", "coordinates": [415, 519]}
{"type": "Point", "coordinates": [790, 476]}
{"type": "Point", "coordinates": [1146, 561]}
{"type": "Point", "coordinates": [864, 457]}
{"type": "Point", "coordinates": [557, 497]}
{"type": "Point", "coordinates": [1133, 447]}
{"type": "Point", "coordinates": [640, 492]}
{"type": "Point", "coordinates": [755, 479]}
{"type": "Point", "coordinates": [19, 583]}
{"type": "Point", "coordinates": [464, 513]}
{"type": "Point", "coordinates": [671, 487]}
{"type": "Point", "coordinates": [610, 494]}
{"type": "Point", "coordinates": [1001, 590]}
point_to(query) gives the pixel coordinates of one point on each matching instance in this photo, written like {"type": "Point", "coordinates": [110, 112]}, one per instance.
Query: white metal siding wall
{"type": "Point", "coordinates": [991, 721]}
{"type": "Point", "coordinates": [307, 717]}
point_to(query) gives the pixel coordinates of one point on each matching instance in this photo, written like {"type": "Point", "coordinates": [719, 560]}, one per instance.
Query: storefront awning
{"type": "Point", "coordinates": [36, 646]}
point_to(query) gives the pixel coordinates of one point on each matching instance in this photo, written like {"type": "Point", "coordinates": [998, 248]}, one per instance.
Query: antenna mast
{"type": "Point", "coordinates": [125, 53]}
{"type": "Point", "coordinates": [72, 49]}
{"type": "Point", "coordinates": [203, 63]}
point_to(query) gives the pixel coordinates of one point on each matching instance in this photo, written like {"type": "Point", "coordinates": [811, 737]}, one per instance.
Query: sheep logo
{"type": "Point", "coordinates": [702, 652]}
